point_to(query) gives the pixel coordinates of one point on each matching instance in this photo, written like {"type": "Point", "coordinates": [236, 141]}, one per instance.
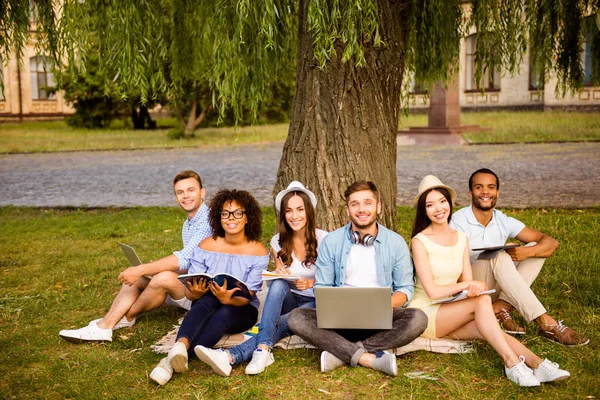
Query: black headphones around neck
{"type": "Point", "coordinates": [366, 240]}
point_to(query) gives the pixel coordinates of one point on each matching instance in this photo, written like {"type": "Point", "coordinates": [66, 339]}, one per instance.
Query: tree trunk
{"type": "Point", "coordinates": [193, 120]}
{"type": "Point", "coordinates": [345, 118]}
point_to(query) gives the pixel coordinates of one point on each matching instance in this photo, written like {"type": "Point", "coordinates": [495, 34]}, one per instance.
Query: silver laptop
{"type": "Point", "coordinates": [354, 307]}
{"type": "Point", "coordinates": [131, 255]}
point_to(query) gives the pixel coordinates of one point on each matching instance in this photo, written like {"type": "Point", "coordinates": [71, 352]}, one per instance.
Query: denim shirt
{"type": "Point", "coordinates": [392, 260]}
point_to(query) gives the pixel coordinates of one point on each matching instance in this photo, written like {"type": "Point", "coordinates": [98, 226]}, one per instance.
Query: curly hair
{"type": "Point", "coordinates": [422, 221]}
{"type": "Point", "coordinates": [286, 233]}
{"type": "Point", "coordinates": [253, 228]}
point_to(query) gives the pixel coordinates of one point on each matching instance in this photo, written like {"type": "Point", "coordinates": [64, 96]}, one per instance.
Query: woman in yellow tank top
{"type": "Point", "coordinates": [443, 268]}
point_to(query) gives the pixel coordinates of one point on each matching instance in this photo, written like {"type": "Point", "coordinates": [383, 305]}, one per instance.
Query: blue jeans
{"type": "Point", "coordinates": [208, 320]}
{"type": "Point", "coordinates": [273, 323]}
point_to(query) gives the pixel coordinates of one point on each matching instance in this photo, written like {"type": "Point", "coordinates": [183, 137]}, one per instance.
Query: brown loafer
{"type": "Point", "coordinates": [508, 324]}
{"type": "Point", "coordinates": [563, 334]}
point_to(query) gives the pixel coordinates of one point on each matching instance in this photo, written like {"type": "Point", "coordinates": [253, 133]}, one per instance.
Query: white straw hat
{"type": "Point", "coordinates": [432, 182]}
{"type": "Point", "coordinates": [295, 186]}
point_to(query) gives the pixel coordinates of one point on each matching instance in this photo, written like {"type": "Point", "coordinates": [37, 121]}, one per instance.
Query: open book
{"type": "Point", "coordinates": [487, 253]}
{"type": "Point", "coordinates": [270, 276]}
{"type": "Point", "coordinates": [232, 282]}
{"type": "Point", "coordinates": [459, 296]}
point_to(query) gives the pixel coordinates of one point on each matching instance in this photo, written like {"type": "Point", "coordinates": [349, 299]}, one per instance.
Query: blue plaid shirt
{"type": "Point", "coordinates": [193, 232]}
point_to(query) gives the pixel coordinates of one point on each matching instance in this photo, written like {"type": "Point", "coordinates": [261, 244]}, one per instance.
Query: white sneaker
{"type": "Point", "coordinates": [261, 359]}
{"type": "Point", "coordinates": [178, 358]}
{"type": "Point", "coordinates": [218, 360]}
{"type": "Point", "coordinates": [521, 374]}
{"type": "Point", "coordinates": [329, 362]}
{"type": "Point", "coordinates": [549, 371]}
{"type": "Point", "coordinates": [163, 372]}
{"type": "Point", "coordinates": [90, 333]}
{"type": "Point", "coordinates": [123, 323]}
{"type": "Point", "coordinates": [385, 362]}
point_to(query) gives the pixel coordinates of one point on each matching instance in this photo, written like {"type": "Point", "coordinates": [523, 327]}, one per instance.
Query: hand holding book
{"type": "Point", "coordinates": [236, 286]}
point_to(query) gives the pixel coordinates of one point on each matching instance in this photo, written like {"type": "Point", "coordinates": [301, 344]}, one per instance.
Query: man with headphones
{"type": "Point", "coordinates": [363, 254]}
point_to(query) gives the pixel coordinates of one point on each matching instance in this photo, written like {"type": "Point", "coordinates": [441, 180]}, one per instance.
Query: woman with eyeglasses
{"type": "Point", "coordinates": [235, 249]}
{"type": "Point", "coordinates": [294, 249]}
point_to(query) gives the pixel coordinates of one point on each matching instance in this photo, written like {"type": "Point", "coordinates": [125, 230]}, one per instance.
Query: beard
{"type": "Point", "coordinates": [477, 204]}
{"type": "Point", "coordinates": [365, 225]}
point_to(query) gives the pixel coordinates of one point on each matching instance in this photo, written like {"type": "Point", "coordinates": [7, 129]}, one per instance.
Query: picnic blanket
{"type": "Point", "coordinates": [443, 345]}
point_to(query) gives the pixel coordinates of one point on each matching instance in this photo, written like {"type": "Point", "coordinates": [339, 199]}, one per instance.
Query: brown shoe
{"type": "Point", "coordinates": [563, 334]}
{"type": "Point", "coordinates": [508, 324]}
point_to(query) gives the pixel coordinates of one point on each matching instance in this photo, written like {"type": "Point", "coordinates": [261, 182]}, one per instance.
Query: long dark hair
{"type": "Point", "coordinates": [422, 221]}
{"type": "Point", "coordinates": [286, 233]}
{"type": "Point", "coordinates": [253, 228]}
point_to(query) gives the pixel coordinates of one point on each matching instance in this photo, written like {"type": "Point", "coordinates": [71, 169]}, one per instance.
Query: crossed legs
{"type": "Point", "coordinates": [145, 295]}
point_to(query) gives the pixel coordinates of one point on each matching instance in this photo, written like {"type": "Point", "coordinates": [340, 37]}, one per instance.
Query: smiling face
{"type": "Point", "coordinates": [295, 213]}
{"type": "Point", "coordinates": [232, 225]}
{"type": "Point", "coordinates": [437, 207]}
{"type": "Point", "coordinates": [362, 208]}
{"type": "Point", "coordinates": [484, 193]}
{"type": "Point", "coordinates": [189, 195]}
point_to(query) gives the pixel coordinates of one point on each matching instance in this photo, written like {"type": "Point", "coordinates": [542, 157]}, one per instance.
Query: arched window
{"type": "Point", "coordinates": [489, 81]}
{"type": "Point", "coordinates": [42, 78]}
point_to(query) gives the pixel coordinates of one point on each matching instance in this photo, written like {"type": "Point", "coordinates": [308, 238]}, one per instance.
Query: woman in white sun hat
{"type": "Point", "coordinates": [443, 268]}
{"type": "Point", "coordinates": [294, 249]}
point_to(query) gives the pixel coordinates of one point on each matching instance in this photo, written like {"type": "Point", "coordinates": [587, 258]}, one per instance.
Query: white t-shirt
{"type": "Point", "coordinates": [297, 267]}
{"type": "Point", "coordinates": [360, 268]}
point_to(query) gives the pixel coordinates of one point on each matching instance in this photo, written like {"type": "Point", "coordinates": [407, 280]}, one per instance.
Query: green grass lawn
{"type": "Point", "coordinates": [58, 270]}
{"type": "Point", "coordinates": [520, 127]}
{"type": "Point", "coordinates": [508, 127]}
{"type": "Point", "coordinates": [36, 137]}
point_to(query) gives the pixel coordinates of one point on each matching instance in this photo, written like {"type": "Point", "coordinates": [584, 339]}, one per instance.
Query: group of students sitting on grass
{"type": "Point", "coordinates": [225, 238]}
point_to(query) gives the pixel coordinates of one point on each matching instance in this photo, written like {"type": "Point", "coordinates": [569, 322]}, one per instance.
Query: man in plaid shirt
{"type": "Point", "coordinates": [147, 286]}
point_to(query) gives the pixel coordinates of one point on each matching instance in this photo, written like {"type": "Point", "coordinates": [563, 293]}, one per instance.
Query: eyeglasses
{"type": "Point", "coordinates": [237, 214]}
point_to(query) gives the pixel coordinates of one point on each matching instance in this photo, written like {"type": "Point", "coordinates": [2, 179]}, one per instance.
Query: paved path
{"type": "Point", "coordinates": [540, 175]}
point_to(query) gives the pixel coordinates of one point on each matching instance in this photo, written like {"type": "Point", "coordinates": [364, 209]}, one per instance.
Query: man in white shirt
{"type": "Point", "coordinates": [361, 254]}
{"type": "Point", "coordinates": [147, 286]}
{"type": "Point", "coordinates": [512, 271]}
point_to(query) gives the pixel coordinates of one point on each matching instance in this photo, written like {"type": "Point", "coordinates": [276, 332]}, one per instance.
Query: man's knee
{"type": "Point", "coordinates": [299, 319]}
{"type": "Point", "coordinates": [415, 319]}
{"type": "Point", "coordinates": [165, 280]}
{"type": "Point", "coordinates": [501, 262]}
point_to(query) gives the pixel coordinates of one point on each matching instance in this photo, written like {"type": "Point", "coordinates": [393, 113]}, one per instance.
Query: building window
{"type": "Point", "coordinates": [489, 81]}
{"type": "Point", "coordinates": [586, 60]}
{"type": "Point", "coordinates": [536, 80]}
{"type": "Point", "coordinates": [416, 87]}
{"type": "Point", "coordinates": [42, 78]}
{"type": "Point", "coordinates": [33, 11]}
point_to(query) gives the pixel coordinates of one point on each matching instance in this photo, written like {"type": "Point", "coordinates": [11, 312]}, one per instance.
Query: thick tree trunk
{"type": "Point", "coordinates": [344, 120]}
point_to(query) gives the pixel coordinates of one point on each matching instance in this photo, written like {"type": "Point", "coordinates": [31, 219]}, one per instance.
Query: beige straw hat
{"type": "Point", "coordinates": [432, 182]}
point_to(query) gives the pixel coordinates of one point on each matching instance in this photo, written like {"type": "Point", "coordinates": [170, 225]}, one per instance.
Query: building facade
{"type": "Point", "coordinates": [525, 90]}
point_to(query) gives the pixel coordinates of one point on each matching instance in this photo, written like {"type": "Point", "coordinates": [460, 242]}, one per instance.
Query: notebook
{"type": "Point", "coordinates": [354, 307]}
{"type": "Point", "coordinates": [131, 255]}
